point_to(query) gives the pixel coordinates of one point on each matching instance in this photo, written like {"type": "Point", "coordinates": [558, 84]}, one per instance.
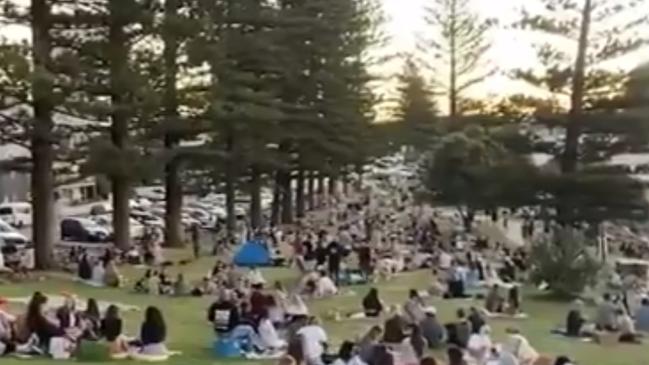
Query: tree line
{"type": "Point", "coordinates": [277, 91]}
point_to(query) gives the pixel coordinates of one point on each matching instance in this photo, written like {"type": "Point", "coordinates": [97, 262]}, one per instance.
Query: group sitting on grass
{"type": "Point", "coordinates": [262, 328]}
{"type": "Point", "coordinates": [63, 332]}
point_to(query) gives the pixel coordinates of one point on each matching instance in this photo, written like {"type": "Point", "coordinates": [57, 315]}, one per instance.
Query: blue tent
{"type": "Point", "coordinates": [252, 253]}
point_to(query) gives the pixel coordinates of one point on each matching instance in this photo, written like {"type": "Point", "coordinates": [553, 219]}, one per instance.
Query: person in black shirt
{"type": "Point", "coordinates": [38, 324]}
{"type": "Point", "coordinates": [320, 254]}
{"type": "Point", "coordinates": [334, 255]}
{"type": "Point", "coordinates": [460, 331]}
{"type": "Point", "coordinates": [223, 314]}
{"type": "Point", "coordinates": [476, 319]}
{"type": "Point", "coordinates": [153, 332]}
{"type": "Point", "coordinates": [372, 305]}
{"type": "Point", "coordinates": [111, 330]}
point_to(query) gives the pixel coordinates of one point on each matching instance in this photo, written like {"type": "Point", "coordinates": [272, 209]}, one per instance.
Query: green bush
{"type": "Point", "coordinates": [563, 261]}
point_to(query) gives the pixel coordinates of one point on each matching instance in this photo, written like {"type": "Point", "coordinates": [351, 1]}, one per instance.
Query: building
{"type": "Point", "coordinates": [71, 186]}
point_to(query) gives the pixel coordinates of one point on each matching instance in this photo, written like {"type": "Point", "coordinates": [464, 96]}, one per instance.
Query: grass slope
{"type": "Point", "coordinates": [189, 332]}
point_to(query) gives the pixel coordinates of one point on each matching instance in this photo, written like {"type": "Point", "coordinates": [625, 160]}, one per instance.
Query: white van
{"type": "Point", "coordinates": [18, 214]}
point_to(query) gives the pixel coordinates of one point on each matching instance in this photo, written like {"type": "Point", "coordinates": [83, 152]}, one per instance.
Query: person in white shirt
{"type": "Point", "coordinates": [325, 287]}
{"type": "Point", "coordinates": [268, 334]}
{"type": "Point", "coordinates": [314, 342]}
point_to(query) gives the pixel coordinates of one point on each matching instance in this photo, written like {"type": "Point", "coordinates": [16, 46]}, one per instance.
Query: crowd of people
{"type": "Point", "coordinates": [60, 331]}
{"type": "Point", "coordinates": [361, 240]}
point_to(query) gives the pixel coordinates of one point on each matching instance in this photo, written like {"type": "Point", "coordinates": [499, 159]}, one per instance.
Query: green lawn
{"type": "Point", "coordinates": [189, 333]}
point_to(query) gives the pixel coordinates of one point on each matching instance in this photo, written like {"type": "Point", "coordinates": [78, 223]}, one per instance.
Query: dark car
{"type": "Point", "coordinates": [84, 230]}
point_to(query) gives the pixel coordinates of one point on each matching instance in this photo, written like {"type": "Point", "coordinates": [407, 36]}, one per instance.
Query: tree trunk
{"type": "Point", "coordinates": [571, 154]}
{"type": "Point", "coordinates": [300, 208]}
{"type": "Point", "coordinates": [333, 184]}
{"type": "Point", "coordinates": [275, 209]}
{"type": "Point", "coordinates": [310, 196]}
{"type": "Point", "coordinates": [230, 193]}
{"type": "Point", "coordinates": [287, 198]}
{"type": "Point", "coordinates": [359, 172]}
{"type": "Point", "coordinates": [321, 189]}
{"type": "Point", "coordinates": [255, 198]}
{"type": "Point", "coordinates": [452, 87]}
{"type": "Point", "coordinates": [119, 79]}
{"type": "Point", "coordinates": [173, 187]}
{"type": "Point", "coordinates": [345, 179]}
{"type": "Point", "coordinates": [42, 179]}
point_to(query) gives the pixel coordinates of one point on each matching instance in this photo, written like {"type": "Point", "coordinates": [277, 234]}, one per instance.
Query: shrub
{"type": "Point", "coordinates": [563, 261]}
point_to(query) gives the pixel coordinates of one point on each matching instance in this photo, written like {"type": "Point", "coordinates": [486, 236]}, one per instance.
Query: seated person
{"type": "Point", "coordinates": [626, 328]}
{"type": "Point", "coordinates": [372, 305]}
{"type": "Point", "coordinates": [98, 273]}
{"type": "Point", "coordinates": [181, 288]}
{"type": "Point", "coordinates": [91, 321]}
{"type": "Point", "coordinates": [575, 320]}
{"type": "Point", "coordinates": [314, 341]}
{"type": "Point", "coordinates": [456, 282]}
{"type": "Point", "coordinates": [519, 349]}
{"type": "Point", "coordinates": [7, 338]}
{"type": "Point", "coordinates": [268, 334]}
{"type": "Point", "coordinates": [494, 301]}
{"type": "Point", "coordinates": [432, 329]}
{"type": "Point", "coordinates": [111, 329]}
{"type": "Point", "coordinates": [69, 318]}
{"type": "Point", "coordinates": [325, 287]}
{"type": "Point", "coordinates": [84, 270]}
{"type": "Point", "coordinates": [223, 314]}
{"type": "Point", "coordinates": [513, 301]}
{"type": "Point", "coordinates": [39, 324]}
{"type": "Point", "coordinates": [153, 333]}
{"type": "Point", "coordinates": [395, 327]}
{"type": "Point", "coordinates": [347, 355]}
{"type": "Point", "coordinates": [112, 278]}
{"type": "Point", "coordinates": [480, 345]}
{"type": "Point", "coordinates": [606, 318]}
{"type": "Point", "coordinates": [476, 319]}
{"type": "Point", "coordinates": [642, 316]}
{"type": "Point", "coordinates": [147, 284]}
{"type": "Point", "coordinates": [414, 307]}
{"type": "Point", "coordinates": [459, 331]}
{"type": "Point", "coordinates": [368, 344]}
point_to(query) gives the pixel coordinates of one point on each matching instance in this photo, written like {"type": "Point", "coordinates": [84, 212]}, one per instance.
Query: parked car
{"type": "Point", "coordinates": [84, 230]}
{"type": "Point", "coordinates": [9, 234]}
{"type": "Point", "coordinates": [106, 221]}
{"type": "Point", "coordinates": [148, 219]}
{"type": "Point", "coordinates": [18, 214]}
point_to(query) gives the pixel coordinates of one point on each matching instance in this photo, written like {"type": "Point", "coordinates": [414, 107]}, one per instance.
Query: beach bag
{"type": "Point", "coordinates": [93, 351]}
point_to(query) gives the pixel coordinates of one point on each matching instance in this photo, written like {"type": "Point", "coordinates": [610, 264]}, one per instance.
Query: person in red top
{"type": "Point", "coordinates": [258, 301]}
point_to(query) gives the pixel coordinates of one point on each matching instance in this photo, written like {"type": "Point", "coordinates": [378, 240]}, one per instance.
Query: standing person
{"type": "Point", "coordinates": [314, 341]}
{"type": "Point", "coordinates": [196, 240]}
{"type": "Point", "coordinates": [334, 256]}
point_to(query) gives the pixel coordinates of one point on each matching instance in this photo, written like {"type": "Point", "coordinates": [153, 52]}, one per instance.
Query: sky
{"type": "Point", "coordinates": [510, 50]}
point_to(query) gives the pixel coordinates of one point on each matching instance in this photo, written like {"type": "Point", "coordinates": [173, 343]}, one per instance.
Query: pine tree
{"type": "Point", "coordinates": [457, 44]}
{"type": "Point", "coordinates": [416, 109]}
{"type": "Point", "coordinates": [600, 31]}
{"type": "Point", "coordinates": [100, 40]}
{"type": "Point", "coordinates": [33, 82]}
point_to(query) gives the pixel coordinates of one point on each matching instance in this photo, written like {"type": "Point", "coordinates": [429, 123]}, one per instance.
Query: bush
{"type": "Point", "coordinates": [563, 261]}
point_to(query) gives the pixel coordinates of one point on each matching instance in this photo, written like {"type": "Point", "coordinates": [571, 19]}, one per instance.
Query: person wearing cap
{"type": "Point", "coordinates": [432, 329]}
